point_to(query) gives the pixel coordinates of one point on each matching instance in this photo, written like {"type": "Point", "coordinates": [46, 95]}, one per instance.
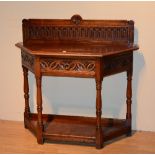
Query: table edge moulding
{"type": "Point", "coordinates": [77, 48]}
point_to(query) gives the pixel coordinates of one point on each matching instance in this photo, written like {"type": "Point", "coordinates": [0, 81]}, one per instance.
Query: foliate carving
{"type": "Point", "coordinates": [78, 33]}
{"type": "Point", "coordinates": [77, 29]}
{"type": "Point", "coordinates": [76, 19]}
{"type": "Point", "coordinates": [71, 65]}
{"type": "Point", "coordinates": [27, 60]}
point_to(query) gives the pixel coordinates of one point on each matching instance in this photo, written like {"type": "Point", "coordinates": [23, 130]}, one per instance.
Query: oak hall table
{"type": "Point", "coordinates": [77, 48]}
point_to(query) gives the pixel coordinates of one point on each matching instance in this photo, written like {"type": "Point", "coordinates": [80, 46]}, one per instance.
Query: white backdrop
{"type": "Point", "coordinates": [76, 96]}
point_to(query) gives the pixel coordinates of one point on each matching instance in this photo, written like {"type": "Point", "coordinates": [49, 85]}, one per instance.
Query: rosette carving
{"type": "Point", "coordinates": [76, 19]}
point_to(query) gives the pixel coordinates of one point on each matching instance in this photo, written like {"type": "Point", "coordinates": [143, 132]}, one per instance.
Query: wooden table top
{"type": "Point", "coordinates": [77, 49]}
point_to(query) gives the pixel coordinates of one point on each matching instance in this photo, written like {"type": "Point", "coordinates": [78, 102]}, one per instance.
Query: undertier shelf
{"type": "Point", "coordinates": [76, 129]}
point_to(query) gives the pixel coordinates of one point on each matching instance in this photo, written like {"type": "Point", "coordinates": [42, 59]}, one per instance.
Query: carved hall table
{"type": "Point", "coordinates": [77, 48]}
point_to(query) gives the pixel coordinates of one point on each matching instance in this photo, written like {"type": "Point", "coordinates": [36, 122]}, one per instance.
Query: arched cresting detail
{"type": "Point", "coordinates": [76, 19]}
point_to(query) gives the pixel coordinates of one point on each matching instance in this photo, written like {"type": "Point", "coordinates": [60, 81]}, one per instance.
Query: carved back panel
{"type": "Point", "coordinates": [77, 30]}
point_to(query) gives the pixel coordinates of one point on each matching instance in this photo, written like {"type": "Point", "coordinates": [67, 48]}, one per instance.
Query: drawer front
{"type": "Point", "coordinates": [67, 67]}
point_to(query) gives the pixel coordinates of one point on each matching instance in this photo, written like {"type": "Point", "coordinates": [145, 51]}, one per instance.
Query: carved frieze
{"type": "Point", "coordinates": [78, 33]}
{"type": "Point", "coordinates": [70, 65]}
{"type": "Point", "coordinates": [27, 60]}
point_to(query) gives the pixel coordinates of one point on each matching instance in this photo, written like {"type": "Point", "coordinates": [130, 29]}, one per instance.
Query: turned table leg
{"type": "Point", "coordinates": [39, 110]}
{"type": "Point", "coordinates": [99, 78]}
{"type": "Point", "coordinates": [99, 132]}
{"type": "Point", "coordinates": [26, 95]}
{"type": "Point", "coordinates": [38, 77]}
{"type": "Point", "coordinates": [129, 100]}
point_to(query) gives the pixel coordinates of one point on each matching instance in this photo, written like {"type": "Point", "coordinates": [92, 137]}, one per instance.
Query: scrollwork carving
{"type": "Point", "coordinates": [71, 65]}
{"type": "Point", "coordinates": [27, 60]}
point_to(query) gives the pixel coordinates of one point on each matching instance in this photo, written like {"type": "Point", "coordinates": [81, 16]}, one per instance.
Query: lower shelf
{"type": "Point", "coordinates": [76, 128]}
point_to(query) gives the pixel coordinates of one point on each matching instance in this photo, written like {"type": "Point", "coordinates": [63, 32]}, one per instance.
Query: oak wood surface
{"type": "Point", "coordinates": [23, 141]}
{"type": "Point", "coordinates": [76, 48]}
{"type": "Point", "coordinates": [77, 29]}
{"type": "Point", "coordinates": [77, 128]}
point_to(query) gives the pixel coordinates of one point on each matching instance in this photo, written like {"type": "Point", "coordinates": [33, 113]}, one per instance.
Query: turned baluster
{"type": "Point", "coordinates": [39, 101]}
{"type": "Point", "coordinates": [99, 132]}
{"type": "Point", "coordinates": [26, 95]}
{"type": "Point", "coordinates": [129, 100]}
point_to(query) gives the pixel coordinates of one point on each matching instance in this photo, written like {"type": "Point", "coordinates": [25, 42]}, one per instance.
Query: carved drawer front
{"type": "Point", "coordinates": [118, 64]}
{"type": "Point", "coordinates": [68, 67]}
{"type": "Point", "coordinates": [28, 61]}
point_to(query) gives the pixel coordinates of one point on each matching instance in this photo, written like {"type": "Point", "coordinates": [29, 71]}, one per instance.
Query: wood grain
{"type": "Point", "coordinates": [76, 48]}
{"type": "Point", "coordinates": [23, 141]}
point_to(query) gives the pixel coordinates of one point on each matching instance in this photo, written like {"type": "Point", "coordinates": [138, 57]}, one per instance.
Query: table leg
{"type": "Point", "coordinates": [39, 110]}
{"type": "Point", "coordinates": [26, 95]}
{"type": "Point", "coordinates": [99, 132]}
{"type": "Point", "coordinates": [129, 99]}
